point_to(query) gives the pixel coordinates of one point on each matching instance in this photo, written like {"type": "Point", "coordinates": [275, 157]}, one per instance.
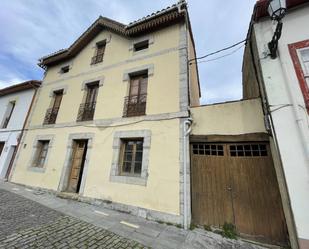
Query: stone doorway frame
{"type": "Point", "coordinates": [68, 158]}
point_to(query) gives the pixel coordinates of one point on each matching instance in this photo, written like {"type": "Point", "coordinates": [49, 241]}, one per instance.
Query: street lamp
{"type": "Point", "coordinates": [276, 10]}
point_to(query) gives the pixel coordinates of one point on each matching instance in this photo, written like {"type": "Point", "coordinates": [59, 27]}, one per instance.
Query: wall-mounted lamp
{"type": "Point", "coordinates": [276, 10]}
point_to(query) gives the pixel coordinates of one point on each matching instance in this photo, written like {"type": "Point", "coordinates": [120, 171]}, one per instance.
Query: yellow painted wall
{"type": "Point", "coordinates": [232, 118]}
{"type": "Point", "coordinates": [193, 75]}
{"type": "Point", "coordinates": [163, 86]}
{"type": "Point", "coordinates": [162, 190]}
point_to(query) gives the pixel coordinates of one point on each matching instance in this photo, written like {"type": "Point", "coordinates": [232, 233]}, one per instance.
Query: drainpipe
{"type": "Point", "coordinates": [299, 120]}
{"type": "Point", "coordinates": [186, 131]}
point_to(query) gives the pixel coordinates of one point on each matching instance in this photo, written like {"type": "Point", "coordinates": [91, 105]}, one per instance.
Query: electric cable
{"type": "Point", "coordinates": [218, 51]}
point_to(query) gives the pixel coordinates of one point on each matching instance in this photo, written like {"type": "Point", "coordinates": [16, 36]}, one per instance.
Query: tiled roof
{"type": "Point", "coordinates": [20, 87]}
{"type": "Point", "coordinates": [154, 21]}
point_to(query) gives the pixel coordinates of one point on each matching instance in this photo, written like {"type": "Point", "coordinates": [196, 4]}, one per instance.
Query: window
{"type": "Point", "coordinates": [132, 157]}
{"type": "Point", "coordinates": [208, 149]}
{"type": "Point", "coordinates": [41, 153]}
{"type": "Point", "coordinates": [86, 109]}
{"type": "Point", "coordinates": [99, 52]}
{"type": "Point", "coordinates": [52, 113]}
{"type": "Point", "coordinates": [299, 52]}
{"type": "Point", "coordinates": [1, 147]}
{"type": "Point", "coordinates": [304, 54]}
{"type": "Point", "coordinates": [141, 45]}
{"type": "Point", "coordinates": [8, 114]}
{"type": "Point", "coordinates": [65, 69]}
{"type": "Point", "coordinates": [248, 150]}
{"type": "Point", "coordinates": [135, 102]}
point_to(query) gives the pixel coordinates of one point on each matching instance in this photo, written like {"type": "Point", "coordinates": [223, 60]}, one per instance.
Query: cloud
{"type": "Point", "coordinates": [31, 29]}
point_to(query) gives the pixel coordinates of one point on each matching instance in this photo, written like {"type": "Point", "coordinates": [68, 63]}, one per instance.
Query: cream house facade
{"type": "Point", "coordinates": [117, 122]}
{"type": "Point", "coordinates": [108, 121]}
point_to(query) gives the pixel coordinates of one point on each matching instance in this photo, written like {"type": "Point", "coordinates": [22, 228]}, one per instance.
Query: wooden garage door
{"type": "Point", "coordinates": [236, 183]}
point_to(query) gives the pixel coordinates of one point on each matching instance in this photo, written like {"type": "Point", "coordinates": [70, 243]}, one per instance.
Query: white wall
{"type": "Point", "coordinates": [280, 77]}
{"type": "Point", "coordinates": [11, 133]}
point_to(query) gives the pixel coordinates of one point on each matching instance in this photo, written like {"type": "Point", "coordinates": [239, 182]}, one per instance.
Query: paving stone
{"type": "Point", "coordinates": [50, 229]}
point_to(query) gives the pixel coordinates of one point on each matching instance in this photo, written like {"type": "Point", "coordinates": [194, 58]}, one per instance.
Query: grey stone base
{"type": "Point", "coordinates": [137, 211]}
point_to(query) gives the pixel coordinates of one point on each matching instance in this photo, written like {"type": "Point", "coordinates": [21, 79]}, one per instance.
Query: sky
{"type": "Point", "coordinates": [31, 29]}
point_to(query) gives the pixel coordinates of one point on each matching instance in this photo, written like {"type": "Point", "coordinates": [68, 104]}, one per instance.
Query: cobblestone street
{"type": "Point", "coordinates": [31, 218]}
{"type": "Point", "coordinates": [27, 224]}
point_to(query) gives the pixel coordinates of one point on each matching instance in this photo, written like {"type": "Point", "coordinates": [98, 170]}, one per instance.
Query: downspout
{"type": "Point", "coordinates": [186, 131]}
{"type": "Point", "coordinates": [298, 118]}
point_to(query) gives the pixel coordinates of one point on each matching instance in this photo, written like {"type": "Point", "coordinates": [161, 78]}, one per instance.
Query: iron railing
{"type": "Point", "coordinates": [97, 59]}
{"type": "Point", "coordinates": [134, 105]}
{"type": "Point", "coordinates": [86, 111]}
{"type": "Point", "coordinates": [51, 115]}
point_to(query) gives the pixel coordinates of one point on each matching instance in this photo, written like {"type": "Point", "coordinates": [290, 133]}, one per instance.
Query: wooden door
{"type": "Point", "coordinates": [257, 203]}
{"type": "Point", "coordinates": [77, 163]}
{"type": "Point", "coordinates": [211, 197]}
{"type": "Point", "coordinates": [1, 147]}
{"type": "Point", "coordinates": [236, 183]}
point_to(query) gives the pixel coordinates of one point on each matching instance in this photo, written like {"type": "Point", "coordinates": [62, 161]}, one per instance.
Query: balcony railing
{"type": "Point", "coordinates": [97, 59]}
{"type": "Point", "coordinates": [51, 116]}
{"type": "Point", "coordinates": [86, 111]}
{"type": "Point", "coordinates": [134, 105]}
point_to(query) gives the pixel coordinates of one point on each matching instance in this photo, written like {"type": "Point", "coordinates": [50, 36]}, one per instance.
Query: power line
{"type": "Point", "coordinates": [218, 51]}
{"type": "Point", "coordinates": [220, 57]}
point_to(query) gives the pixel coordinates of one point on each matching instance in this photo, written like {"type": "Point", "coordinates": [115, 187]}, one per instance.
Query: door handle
{"type": "Point", "coordinates": [229, 189]}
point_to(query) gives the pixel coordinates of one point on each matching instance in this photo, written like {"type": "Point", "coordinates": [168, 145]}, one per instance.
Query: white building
{"type": "Point", "coordinates": [15, 104]}
{"type": "Point", "coordinates": [283, 83]}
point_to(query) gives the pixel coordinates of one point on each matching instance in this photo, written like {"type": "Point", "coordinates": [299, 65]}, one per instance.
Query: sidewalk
{"type": "Point", "coordinates": [148, 233]}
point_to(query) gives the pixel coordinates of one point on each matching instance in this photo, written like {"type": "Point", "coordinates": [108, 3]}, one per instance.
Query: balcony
{"type": "Point", "coordinates": [134, 105]}
{"type": "Point", "coordinates": [51, 116]}
{"type": "Point", "coordinates": [97, 59]}
{"type": "Point", "coordinates": [86, 111]}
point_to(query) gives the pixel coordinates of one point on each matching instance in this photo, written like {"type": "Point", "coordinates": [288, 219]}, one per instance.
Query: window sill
{"type": "Point", "coordinates": [36, 169]}
{"type": "Point", "coordinates": [129, 180]}
{"type": "Point", "coordinates": [140, 52]}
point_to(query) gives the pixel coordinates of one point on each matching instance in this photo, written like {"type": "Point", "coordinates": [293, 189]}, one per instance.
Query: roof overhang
{"type": "Point", "coordinates": [166, 17]}
{"type": "Point", "coordinates": [31, 84]}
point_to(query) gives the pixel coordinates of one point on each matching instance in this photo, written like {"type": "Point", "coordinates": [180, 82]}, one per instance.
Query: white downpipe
{"type": "Point", "coordinates": [186, 131]}
{"type": "Point", "coordinates": [299, 120]}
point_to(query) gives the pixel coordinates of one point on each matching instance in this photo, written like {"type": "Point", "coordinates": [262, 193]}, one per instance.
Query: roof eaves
{"type": "Point", "coordinates": [30, 84]}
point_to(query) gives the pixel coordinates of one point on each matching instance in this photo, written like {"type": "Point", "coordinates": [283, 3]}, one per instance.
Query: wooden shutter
{"type": "Point", "coordinates": [92, 91]}
{"type": "Point", "coordinates": [100, 49]}
{"type": "Point", "coordinates": [57, 100]}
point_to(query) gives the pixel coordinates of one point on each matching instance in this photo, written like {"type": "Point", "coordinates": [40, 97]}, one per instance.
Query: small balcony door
{"type": "Point", "coordinates": [86, 109]}
{"type": "Point", "coordinates": [52, 113]}
{"type": "Point", "coordinates": [135, 103]}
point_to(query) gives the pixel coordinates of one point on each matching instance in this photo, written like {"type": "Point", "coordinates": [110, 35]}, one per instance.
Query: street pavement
{"type": "Point", "coordinates": [38, 219]}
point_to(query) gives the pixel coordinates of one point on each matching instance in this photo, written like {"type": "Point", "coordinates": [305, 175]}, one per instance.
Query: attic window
{"type": "Point", "coordinates": [65, 69]}
{"type": "Point", "coordinates": [99, 53]}
{"type": "Point", "coordinates": [141, 45]}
